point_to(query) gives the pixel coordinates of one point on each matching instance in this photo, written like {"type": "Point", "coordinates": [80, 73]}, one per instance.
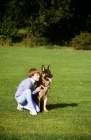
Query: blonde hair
{"type": "Point", "coordinates": [33, 71]}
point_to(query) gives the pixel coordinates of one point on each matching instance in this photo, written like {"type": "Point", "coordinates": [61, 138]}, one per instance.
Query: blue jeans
{"type": "Point", "coordinates": [25, 100]}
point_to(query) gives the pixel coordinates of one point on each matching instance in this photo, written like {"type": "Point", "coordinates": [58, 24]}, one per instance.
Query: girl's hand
{"type": "Point", "coordinates": [38, 88]}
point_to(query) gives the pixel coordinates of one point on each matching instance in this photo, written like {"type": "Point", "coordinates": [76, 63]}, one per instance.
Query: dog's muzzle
{"type": "Point", "coordinates": [50, 79]}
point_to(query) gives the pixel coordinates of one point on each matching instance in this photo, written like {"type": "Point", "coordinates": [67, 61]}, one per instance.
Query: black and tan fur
{"type": "Point", "coordinates": [45, 80]}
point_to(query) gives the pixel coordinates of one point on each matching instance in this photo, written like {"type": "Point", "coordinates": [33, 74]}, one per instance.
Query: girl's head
{"type": "Point", "coordinates": [34, 73]}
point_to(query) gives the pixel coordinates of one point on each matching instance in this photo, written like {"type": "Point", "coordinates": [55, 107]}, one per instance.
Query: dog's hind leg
{"type": "Point", "coordinates": [44, 106]}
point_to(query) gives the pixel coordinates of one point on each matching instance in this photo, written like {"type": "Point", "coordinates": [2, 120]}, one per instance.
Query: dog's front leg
{"type": "Point", "coordinates": [44, 106]}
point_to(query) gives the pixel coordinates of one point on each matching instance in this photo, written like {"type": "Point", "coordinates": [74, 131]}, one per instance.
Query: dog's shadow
{"type": "Point", "coordinates": [61, 105]}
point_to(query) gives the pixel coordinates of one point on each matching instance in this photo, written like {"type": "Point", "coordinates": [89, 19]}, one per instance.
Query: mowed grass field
{"type": "Point", "coordinates": [69, 101]}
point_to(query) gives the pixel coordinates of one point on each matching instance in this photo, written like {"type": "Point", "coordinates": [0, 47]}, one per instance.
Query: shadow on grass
{"type": "Point", "coordinates": [29, 136]}
{"type": "Point", "coordinates": [6, 136]}
{"type": "Point", "coordinates": [62, 105]}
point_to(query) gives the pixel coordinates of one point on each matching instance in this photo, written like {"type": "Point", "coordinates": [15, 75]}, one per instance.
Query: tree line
{"type": "Point", "coordinates": [46, 21]}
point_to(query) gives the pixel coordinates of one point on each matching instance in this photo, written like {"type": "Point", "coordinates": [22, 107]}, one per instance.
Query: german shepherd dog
{"type": "Point", "coordinates": [45, 80]}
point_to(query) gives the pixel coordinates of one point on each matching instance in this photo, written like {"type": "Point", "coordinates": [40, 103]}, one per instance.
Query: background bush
{"type": "Point", "coordinates": [82, 41]}
{"type": "Point", "coordinates": [5, 41]}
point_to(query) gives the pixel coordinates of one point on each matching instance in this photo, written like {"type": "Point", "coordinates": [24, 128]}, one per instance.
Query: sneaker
{"type": "Point", "coordinates": [19, 107]}
{"type": "Point", "coordinates": [33, 111]}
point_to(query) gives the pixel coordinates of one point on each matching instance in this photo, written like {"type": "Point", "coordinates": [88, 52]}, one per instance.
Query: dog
{"type": "Point", "coordinates": [45, 80]}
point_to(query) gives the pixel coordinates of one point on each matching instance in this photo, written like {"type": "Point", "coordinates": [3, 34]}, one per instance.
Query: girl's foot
{"type": "Point", "coordinates": [19, 107]}
{"type": "Point", "coordinates": [33, 111]}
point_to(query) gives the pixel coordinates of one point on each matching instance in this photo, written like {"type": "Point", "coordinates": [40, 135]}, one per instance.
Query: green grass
{"type": "Point", "coordinates": [69, 102]}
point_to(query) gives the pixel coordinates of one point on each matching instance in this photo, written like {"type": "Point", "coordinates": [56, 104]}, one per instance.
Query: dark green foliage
{"type": "Point", "coordinates": [11, 18]}
{"type": "Point", "coordinates": [82, 41]}
{"type": "Point", "coordinates": [46, 25]}
{"type": "Point", "coordinates": [47, 21]}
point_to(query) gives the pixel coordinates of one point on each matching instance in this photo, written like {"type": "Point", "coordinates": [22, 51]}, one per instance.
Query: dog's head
{"type": "Point", "coordinates": [46, 74]}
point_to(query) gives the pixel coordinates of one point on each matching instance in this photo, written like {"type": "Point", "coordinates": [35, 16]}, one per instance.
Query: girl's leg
{"type": "Point", "coordinates": [30, 102]}
{"type": "Point", "coordinates": [36, 107]}
{"type": "Point", "coordinates": [26, 101]}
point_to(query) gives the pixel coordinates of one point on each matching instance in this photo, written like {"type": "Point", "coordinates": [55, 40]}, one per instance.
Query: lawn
{"type": "Point", "coordinates": [69, 102]}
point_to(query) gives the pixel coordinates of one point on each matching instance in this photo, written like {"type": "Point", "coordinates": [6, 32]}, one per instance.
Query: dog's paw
{"type": "Point", "coordinates": [45, 110]}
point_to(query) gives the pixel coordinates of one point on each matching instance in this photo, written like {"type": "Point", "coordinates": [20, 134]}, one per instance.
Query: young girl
{"type": "Point", "coordinates": [26, 89]}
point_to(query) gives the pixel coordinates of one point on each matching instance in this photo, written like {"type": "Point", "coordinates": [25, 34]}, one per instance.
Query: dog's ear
{"type": "Point", "coordinates": [42, 68]}
{"type": "Point", "coordinates": [49, 67]}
